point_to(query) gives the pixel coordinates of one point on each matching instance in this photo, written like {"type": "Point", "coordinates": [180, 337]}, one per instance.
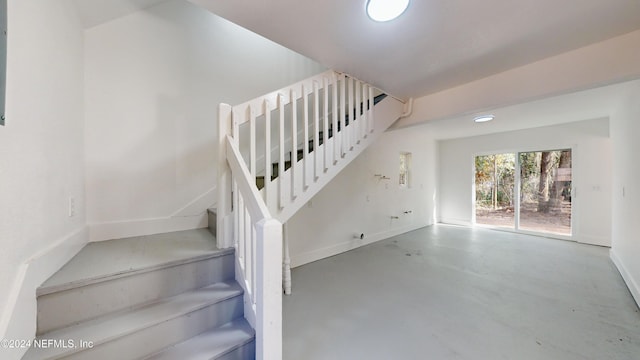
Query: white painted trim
{"type": "Point", "coordinates": [319, 254]}
{"type": "Point", "coordinates": [123, 229]}
{"type": "Point", "coordinates": [632, 284]}
{"type": "Point", "coordinates": [20, 313]}
{"type": "Point", "coordinates": [198, 205]}
{"type": "Point", "coordinates": [457, 222]}
{"type": "Point", "coordinates": [593, 240]}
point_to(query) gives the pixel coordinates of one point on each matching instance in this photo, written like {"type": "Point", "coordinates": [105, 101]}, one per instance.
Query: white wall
{"type": "Point", "coordinates": [153, 82]}
{"type": "Point", "coordinates": [356, 201]}
{"type": "Point", "coordinates": [625, 127]}
{"type": "Point", "coordinates": [41, 157]}
{"type": "Point", "coordinates": [591, 162]}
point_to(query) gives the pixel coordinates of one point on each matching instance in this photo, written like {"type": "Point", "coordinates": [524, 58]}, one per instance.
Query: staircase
{"type": "Point", "coordinates": [167, 296]}
{"type": "Point", "coordinates": [190, 295]}
{"type": "Point", "coordinates": [275, 153]}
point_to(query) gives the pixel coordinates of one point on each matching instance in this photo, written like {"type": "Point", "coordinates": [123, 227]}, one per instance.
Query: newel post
{"type": "Point", "coordinates": [269, 290]}
{"type": "Point", "coordinates": [223, 233]}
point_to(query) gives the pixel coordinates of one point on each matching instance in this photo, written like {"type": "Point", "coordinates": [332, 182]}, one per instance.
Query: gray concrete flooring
{"type": "Point", "coordinates": [446, 292]}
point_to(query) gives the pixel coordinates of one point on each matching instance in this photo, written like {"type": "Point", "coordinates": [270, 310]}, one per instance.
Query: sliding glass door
{"type": "Point", "coordinates": [531, 194]}
{"type": "Point", "coordinates": [495, 190]}
{"type": "Point", "coordinates": [545, 191]}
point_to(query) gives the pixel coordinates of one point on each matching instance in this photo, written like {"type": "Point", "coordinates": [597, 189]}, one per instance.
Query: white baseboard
{"type": "Point", "coordinates": [124, 229]}
{"type": "Point", "coordinates": [460, 222]}
{"type": "Point", "coordinates": [632, 284]}
{"type": "Point", "coordinates": [318, 254]}
{"type": "Point", "coordinates": [593, 240]}
{"type": "Point", "coordinates": [19, 317]}
{"type": "Point", "coordinates": [196, 206]}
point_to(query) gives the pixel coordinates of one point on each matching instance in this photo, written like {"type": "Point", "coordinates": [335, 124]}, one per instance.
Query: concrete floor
{"type": "Point", "coordinates": [446, 292]}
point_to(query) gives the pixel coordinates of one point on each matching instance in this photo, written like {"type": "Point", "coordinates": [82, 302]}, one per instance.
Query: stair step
{"type": "Point", "coordinates": [109, 259]}
{"type": "Point", "coordinates": [234, 340]}
{"type": "Point", "coordinates": [142, 331]}
{"type": "Point", "coordinates": [139, 271]}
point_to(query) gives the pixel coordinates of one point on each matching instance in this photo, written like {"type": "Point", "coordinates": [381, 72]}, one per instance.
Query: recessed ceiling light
{"type": "Point", "coordinates": [483, 118]}
{"type": "Point", "coordinates": [385, 10]}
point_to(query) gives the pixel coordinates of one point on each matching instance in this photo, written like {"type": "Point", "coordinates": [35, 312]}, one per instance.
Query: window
{"type": "Point", "coordinates": [405, 169]}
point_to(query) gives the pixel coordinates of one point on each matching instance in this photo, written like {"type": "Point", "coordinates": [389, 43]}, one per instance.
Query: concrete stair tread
{"type": "Point", "coordinates": [210, 344]}
{"type": "Point", "coordinates": [101, 261]}
{"type": "Point", "coordinates": [113, 326]}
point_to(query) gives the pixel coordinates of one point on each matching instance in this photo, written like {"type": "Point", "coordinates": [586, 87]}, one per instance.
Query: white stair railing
{"type": "Point", "coordinates": [275, 153]}
{"type": "Point", "coordinates": [243, 217]}
{"type": "Point", "coordinates": [307, 129]}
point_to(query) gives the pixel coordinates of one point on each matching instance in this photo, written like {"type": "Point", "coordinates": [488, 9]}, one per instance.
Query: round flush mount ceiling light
{"type": "Point", "coordinates": [483, 118]}
{"type": "Point", "coordinates": [385, 10]}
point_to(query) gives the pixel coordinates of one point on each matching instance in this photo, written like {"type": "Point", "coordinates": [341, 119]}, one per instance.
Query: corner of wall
{"type": "Point", "coordinates": [124, 229]}
{"type": "Point", "coordinates": [20, 314]}
{"type": "Point", "coordinates": [191, 216]}
{"type": "Point", "coordinates": [631, 283]}
{"type": "Point", "coordinates": [319, 254]}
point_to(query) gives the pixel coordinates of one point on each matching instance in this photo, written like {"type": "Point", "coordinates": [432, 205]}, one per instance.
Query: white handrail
{"type": "Point", "coordinates": [257, 208]}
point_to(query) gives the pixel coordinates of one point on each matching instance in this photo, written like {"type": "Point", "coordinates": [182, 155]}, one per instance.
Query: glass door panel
{"type": "Point", "coordinates": [494, 182]}
{"type": "Point", "coordinates": [545, 191]}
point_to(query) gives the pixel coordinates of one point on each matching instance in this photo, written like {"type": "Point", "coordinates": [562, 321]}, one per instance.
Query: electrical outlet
{"type": "Point", "coordinates": [72, 206]}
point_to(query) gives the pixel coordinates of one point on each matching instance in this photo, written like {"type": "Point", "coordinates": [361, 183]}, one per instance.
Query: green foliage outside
{"type": "Point", "coordinates": [494, 175]}
{"type": "Point", "coordinates": [494, 180]}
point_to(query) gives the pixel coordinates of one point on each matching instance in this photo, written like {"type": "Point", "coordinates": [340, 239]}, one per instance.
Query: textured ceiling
{"type": "Point", "coordinates": [435, 44]}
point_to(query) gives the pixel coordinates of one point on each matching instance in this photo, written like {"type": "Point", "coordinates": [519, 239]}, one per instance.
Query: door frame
{"type": "Point", "coordinates": [516, 193]}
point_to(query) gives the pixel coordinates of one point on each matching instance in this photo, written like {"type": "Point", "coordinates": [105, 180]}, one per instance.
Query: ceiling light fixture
{"type": "Point", "coordinates": [385, 10]}
{"type": "Point", "coordinates": [483, 118]}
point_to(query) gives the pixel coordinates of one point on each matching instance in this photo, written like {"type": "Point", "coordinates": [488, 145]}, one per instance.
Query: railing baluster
{"type": "Point", "coordinates": [316, 131]}
{"type": "Point", "coordinates": [334, 118]}
{"type": "Point", "coordinates": [294, 142]}
{"type": "Point", "coordinates": [365, 112]}
{"type": "Point", "coordinates": [254, 276]}
{"type": "Point", "coordinates": [371, 99]}
{"type": "Point", "coordinates": [267, 150]}
{"type": "Point", "coordinates": [343, 116]}
{"type": "Point", "coordinates": [235, 126]}
{"type": "Point", "coordinates": [240, 212]}
{"type": "Point", "coordinates": [236, 230]}
{"type": "Point", "coordinates": [325, 125]}
{"type": "Point", "coordinates": [252, 141]}
{"type": "Point", "coordinates": [358, 118]}
{"type": "Point", "coordinates": [305, 144]}
{"type": "Point", "coordinates": [249, 260]}
{"type": "Point", "coordinates": [351, 109]}
{"type": "Point", "coordinates": [281, 161]}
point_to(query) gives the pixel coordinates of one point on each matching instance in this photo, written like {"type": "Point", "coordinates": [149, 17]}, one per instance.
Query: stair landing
{"type": "Point", "coordinates": [110, 259]}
